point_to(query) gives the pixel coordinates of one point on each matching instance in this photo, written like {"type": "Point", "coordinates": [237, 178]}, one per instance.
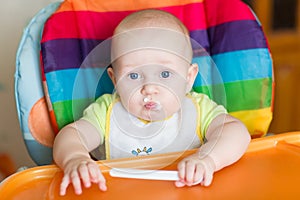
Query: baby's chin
{"type": "Point", "coordinates": [155, 116]}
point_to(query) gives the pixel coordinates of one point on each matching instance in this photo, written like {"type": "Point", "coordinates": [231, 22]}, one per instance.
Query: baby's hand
{"type": "Point", "coordinates": [86, 171]}
{"type": "Point", "coordinates": [193, 170]}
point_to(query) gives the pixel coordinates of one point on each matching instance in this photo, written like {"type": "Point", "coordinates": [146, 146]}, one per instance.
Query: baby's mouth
{"type": "Point", "coordinates": [153, 105]}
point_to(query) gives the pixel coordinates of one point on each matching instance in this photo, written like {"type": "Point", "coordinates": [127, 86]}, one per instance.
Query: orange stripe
{"type": "Point", "coordinates": [119, 5]}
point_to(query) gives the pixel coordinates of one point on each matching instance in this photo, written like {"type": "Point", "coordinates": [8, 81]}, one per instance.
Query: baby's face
{"type": "Point", "coordinates": [151, 83]}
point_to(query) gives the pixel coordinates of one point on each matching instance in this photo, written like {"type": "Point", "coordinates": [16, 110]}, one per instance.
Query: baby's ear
{"type": "Point", "coordinates": [191, 76]}
{"type": "Point", "coordinates": [111, 75]}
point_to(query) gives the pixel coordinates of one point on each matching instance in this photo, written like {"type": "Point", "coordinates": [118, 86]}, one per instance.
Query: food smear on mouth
{"type": "Point", "coordinates": [153, 105]}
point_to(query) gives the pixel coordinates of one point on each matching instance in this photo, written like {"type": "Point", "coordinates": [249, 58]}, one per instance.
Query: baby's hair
{"type": "Point", "coordinates": [151, 18]}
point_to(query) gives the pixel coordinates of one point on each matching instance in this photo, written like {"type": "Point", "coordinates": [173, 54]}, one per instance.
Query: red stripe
{"type": "Point", "coordinates": [83, 24]}
{"type": "Point", "coordinates": [222, 11]}
{"type": "Point", "coordinates": [100, 25]}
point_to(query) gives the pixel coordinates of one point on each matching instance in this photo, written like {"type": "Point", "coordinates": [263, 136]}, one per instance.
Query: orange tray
{"type": "Point", "coordinates": [270, 169]}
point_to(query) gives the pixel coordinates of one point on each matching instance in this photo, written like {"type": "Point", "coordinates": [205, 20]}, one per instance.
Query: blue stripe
{"type": "Point", "coordinates": [236, 35]}
{"type": "Point", "coordinates": [248, 65]}
{"type": "Point", "coordinates": [234, 66]}
{"type": "Point", "coordinates": [208, 73]}
{"type": "Point", "coordinates": [72, 84]}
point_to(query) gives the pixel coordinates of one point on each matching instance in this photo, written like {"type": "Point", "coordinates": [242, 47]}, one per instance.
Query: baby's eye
{"type": "Point", "coordinates": [165, 74]}
{"type": "Point", "coordinates": [134, 76]}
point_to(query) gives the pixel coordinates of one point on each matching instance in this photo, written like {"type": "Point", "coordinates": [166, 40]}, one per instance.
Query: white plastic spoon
{"type": "Point", "coordinates": [165, 175]}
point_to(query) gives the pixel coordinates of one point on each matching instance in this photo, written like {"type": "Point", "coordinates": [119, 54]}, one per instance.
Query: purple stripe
{"type": "Point", "coordinates": [236, 35]}
{"type": "Point", "coordinates": [70, 53]}
{"type": "Point", "coordinates": [239, 35]}
{"type": "Point", "coordinates": [66, 53]}
{"type": "Point", "coordinates": [199, 38]}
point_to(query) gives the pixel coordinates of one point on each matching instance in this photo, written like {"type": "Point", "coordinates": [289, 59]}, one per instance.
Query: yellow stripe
{"type": "Point", "coordinates": [119, 5]}
{"type": "Point", "coordinates": [257, 121]}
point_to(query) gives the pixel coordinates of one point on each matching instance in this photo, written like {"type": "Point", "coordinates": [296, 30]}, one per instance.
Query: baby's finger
{"type": "Point", "coordinates": [179, 184]}
{"type": "Point", "coordinates": [181, 170]}
{"type": "Point", "coordinates": [97, 176]}
{"type": "Point", "coordinates": [64, 184]}
{"type": "Point", "coordinates": [102, 186]}
{"type": "Point", "coordinates": [84, 175]}
{"type": "Point", "coordinates": [76, 182]}
{"type": "Point", "coordinates": [94, 172]}
{"type": "Point", "coordinates": [189, 173]}
{"type": "Point", "coordinates": [208, 177]}
{"type": "Point", "coordinates": [199, 174]}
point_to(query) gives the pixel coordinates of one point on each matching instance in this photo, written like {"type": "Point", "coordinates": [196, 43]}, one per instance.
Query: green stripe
{"type": "Point", "coordinates": [241, 95]}
{"type": "Point", "coordinates": [68, 111]}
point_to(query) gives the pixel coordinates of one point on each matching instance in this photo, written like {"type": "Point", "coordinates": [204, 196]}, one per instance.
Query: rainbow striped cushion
{"type": "Point", "coordinates": [228, 30]}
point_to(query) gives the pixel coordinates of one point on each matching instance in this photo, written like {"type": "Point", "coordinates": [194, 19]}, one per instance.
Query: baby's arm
{"type": "Point", "coordinates": [71, 153]}
{"type": "Point", "coordinates": [227, 140]}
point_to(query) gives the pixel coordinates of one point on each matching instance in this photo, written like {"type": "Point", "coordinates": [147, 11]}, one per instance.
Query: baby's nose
{"type": "Point", "coordinates": [149, 89]}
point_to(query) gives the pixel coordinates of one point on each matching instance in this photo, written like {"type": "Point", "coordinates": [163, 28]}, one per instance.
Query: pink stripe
{"type": "Point", "coordinates": [100, 25]}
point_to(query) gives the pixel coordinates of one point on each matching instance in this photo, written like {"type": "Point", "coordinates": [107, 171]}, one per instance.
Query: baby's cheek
{"type": "Point", "coordinates": [170, 107]}
{"type": "Point", "coordinates": [131, 103]}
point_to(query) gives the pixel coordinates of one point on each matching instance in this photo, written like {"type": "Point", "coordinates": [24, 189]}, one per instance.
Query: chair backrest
{"type": "Point", "coordinates": [237, 54]}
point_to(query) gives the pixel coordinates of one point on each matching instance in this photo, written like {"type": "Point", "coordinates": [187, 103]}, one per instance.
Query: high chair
{"type": "Point", "coordinates": [53, 52]}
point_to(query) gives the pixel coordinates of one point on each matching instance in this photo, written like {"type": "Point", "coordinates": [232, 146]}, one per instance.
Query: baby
{"type": "Point", "coordinates": [153, 108]}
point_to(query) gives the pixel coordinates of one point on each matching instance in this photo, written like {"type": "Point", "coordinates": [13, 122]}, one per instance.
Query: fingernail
{"type": "Point", "coordinates": [78, 192]}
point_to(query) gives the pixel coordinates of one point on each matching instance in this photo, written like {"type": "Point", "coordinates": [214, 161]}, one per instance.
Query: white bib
{"type": "Point", "coordinates": [128, 136]}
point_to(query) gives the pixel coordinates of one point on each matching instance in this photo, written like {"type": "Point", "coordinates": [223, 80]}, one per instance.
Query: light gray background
{"type": "Point", "coordinates": [15, 15]}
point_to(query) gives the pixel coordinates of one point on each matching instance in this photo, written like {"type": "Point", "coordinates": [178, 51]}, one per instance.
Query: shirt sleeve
{"type": "Point", "coordinates": [96, 113]}
{"type": "Point", "coordinates": [208, 110]}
